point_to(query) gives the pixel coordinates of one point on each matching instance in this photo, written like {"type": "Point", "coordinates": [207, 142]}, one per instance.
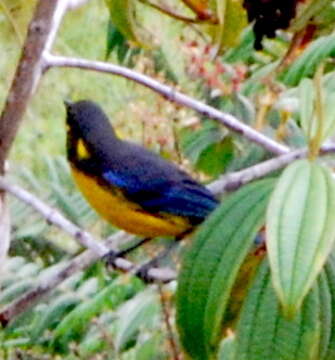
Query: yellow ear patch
{"type": "Point", "coordinates": [82, 150]}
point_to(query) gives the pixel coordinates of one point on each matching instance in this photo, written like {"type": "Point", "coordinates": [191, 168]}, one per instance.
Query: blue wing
{"type": "Point", "coordinates": [180, 196]}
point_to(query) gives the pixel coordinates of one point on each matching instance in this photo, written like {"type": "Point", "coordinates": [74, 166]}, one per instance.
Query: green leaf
{"type": "Point", "coordinates": [15, 290]}
{"type": "Point", "coordinates": [263, 332]}
{"type": "Point", "coordinates": [91, 345]}
{"type": "Point", "coordinates": [150, 349]}
{"type": "Point", "coordinates": [242, 52]}
{"type": "Point", "coordinates": [309, 122]}
{"type": "Point", "coordinates": [306, 107]}
{"type": "Point", "coordinates": [53, 314]}
{"type": "Point", "coordinates": [16, 343]}
{"type": "Point", "coordinates": [242, 283]}
{"type": "Point", "coordinates": [73, 325]}
{"type": "Point", "coordinates": [227, 349]}
{"type": "Point", "coordinates": [330, 273]}
{"type": "Point", "coordinates": [29, 270]}
{"type": "Point", "coordinates": [133, 315]}
{"type": "Point", "coordinates": [215, 158]}
{"type": "Point", "coordinates": [311, 11]}
{"type": "Point", "coordinates": [307, 62]}
{"type": "Point", "coordinates": [329, 116]}
{"type": "Point", "coordinates": [115, 40]}
{"type": "Point", "coordinates": [254, 83]}
{"type": "Point", "coordinates": [234, 20]}
{"type": "Point", "coordinates": [195, 142]}
{"type": "Point", "coordinates": [300, 230]}
{"type": "Point", "coordinates": [244, 109]}
{"type": "Point", "coordinates": [211, 265]}
{"type": "Point", "coordinates": [122, 16]}
{"type": "Point", "coordinates": [118, 43]}
{"type": "Point", "coordinates": [325, 313]}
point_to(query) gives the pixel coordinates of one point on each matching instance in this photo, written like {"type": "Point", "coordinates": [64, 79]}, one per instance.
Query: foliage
{"type": "Point", "coordinates": [91, 312]}
{"type": "Point", "coordinates": [257, 280]}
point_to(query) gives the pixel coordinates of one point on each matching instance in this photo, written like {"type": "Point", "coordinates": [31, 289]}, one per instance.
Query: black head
{"type": "Point", "coordinates": [86, 120]}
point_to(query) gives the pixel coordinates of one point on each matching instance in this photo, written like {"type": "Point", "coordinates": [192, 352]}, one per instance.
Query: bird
{"type": "Point", "coordinates": [131, 187]}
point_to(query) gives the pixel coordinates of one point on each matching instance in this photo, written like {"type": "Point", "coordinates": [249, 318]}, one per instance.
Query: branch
{"type": "Point", "coordinates": [96, 250]}
{"type": "Point", "coordinates": [171, 94]}
{"type": "Point", "coordinates": [236, 179]}
{"type": "Point", "coordinates": [100, 249]}
{"type": "Point", "coordinates": [74, 4]}
{"type": "Point", "coordinates": [166, 311]}
{"type": "Point", "coordinates": [41, 34]}
{"type": "Point", "coordinates": [80, 262]}
{"type": "Point", "coordinates": [54, 217]}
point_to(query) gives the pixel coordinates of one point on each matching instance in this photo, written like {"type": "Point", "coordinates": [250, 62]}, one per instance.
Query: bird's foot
{"type": "Point", "coordinates": [110, 257]}
{"type": "Point", "coordinates": [143, 271]}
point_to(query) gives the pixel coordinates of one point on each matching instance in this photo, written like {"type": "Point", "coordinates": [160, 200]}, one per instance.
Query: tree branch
{"type": "Point", "coordinates": [40, 37]}
{"type": "Point", "coordinates": [80, 262]}
{"type": "Point", "coordinates": [74, 4]}
{"type": "Point", "coordinates": [96, 250]}
{"type": "Point", "coordinates": [41, 33]}
{"type": "Point", "coordinates": [236, 179]}
{"type": "Point", "coordinates": [54, 217]}
{"type": "Point", "coordinates": [171, 94]}
{"type": "Point", "coordinates": [100, 249]}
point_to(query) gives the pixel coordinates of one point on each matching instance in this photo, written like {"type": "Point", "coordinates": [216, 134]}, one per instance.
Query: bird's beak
{"type": "Point", "coordinates": [68, 103]}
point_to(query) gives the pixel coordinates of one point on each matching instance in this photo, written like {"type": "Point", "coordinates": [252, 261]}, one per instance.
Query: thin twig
{"type": "Point", "coordinates": [74, 4]}
{"type": "Point", "coordinates": [167, 320]}
{"type": "Point", "coordinates": [171, 94]}
{"type": "Point", "coordinates": [236, 179]}
{"type": "Point", "coordinates": [54, 217]}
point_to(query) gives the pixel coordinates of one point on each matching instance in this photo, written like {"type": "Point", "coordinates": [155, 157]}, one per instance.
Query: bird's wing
{"type": "Point", "coordinates": [180, 196]}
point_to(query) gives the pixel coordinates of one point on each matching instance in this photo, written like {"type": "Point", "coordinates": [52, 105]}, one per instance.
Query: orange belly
{"type": "Point", "coordinates": [127, 215]}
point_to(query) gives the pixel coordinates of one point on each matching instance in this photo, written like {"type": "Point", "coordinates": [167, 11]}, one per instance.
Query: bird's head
{"type": "Point", "coordinates": [86, 120]}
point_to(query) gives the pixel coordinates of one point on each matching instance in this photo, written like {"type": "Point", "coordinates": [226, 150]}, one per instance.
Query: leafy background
{"type": "Point", "coordinates": [100, 314]}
